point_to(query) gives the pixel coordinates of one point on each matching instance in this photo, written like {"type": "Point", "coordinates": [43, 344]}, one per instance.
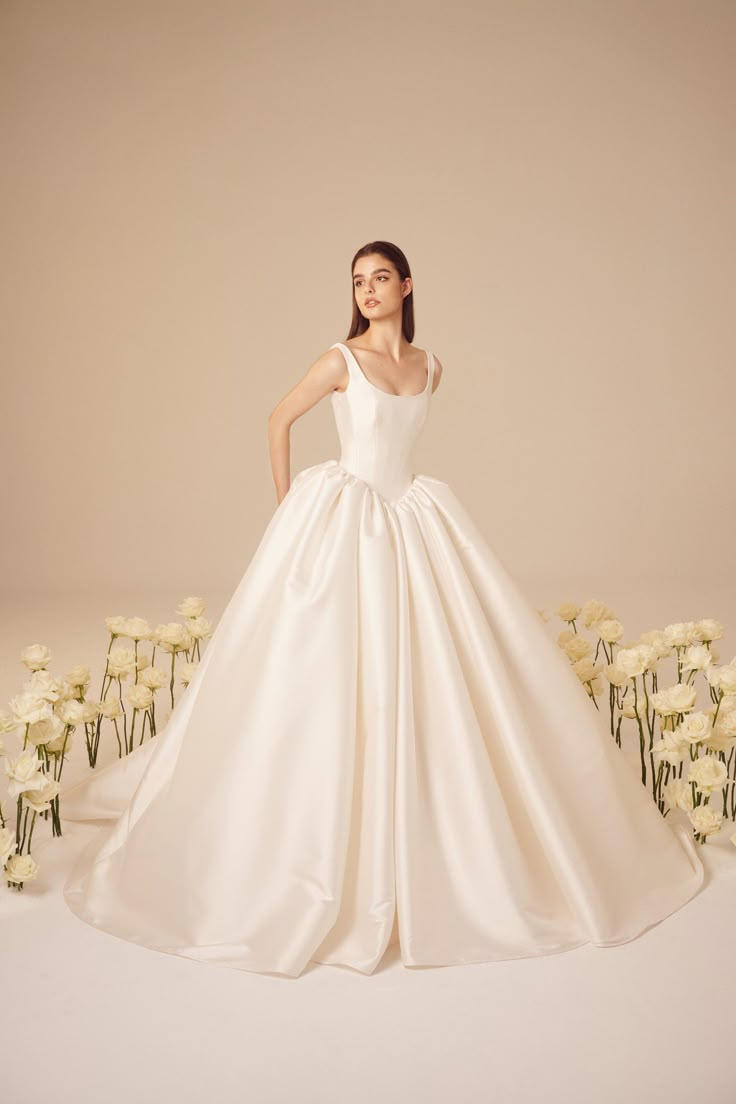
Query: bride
{"type": "Point", "coordinates": [380, 742]}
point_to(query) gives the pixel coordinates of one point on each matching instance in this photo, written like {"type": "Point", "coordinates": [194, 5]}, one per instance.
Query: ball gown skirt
{"type": "Point", "coordinates": [380, 743]}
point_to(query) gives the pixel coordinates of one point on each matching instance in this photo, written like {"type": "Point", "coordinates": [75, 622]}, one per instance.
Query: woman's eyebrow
{"type": "Point", "coordinates": [375, 271]}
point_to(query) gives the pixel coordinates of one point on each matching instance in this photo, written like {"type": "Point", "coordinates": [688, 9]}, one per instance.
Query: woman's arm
{"type": "Point", "coordinates": [328, 372]}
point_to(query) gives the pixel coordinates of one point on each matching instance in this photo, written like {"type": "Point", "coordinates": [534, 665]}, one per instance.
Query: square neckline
{"type": "Point", "coordinates": [388, 394]}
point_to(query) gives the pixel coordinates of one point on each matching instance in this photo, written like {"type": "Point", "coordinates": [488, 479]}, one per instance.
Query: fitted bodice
{"type": "Point", "coordinates": [378, 431]}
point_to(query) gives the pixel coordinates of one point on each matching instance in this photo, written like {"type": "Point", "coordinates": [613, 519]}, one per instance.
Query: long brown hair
{"type": "Point", "coordinates": [392, 253]}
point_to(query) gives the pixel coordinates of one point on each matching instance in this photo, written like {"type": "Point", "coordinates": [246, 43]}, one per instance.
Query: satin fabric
{"type": "Point", "coordinates": [380, 742]}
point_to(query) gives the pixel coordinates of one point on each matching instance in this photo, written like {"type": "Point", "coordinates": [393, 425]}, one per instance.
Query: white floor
{"type": "Point", "coordinates": [87, 1017]}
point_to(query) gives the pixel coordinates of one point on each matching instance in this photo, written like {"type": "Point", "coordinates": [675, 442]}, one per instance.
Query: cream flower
{"type": "Point", "coordinates": [111, 708]}
{"type": "Point", "coordinates": [73, 712]}
{"type": "Point", "coordinates": [23, 774]}
{"type": "Point", "coordinates": [678, 794]}
{"type": "Point", "coordinates": [35, 656]}
{"type": "Point", "coordinates": [39, 800]}
{"type": "Point", "coordinates": [137, 628]}
{"type": "Point", "coordinates": [191, 607]}
{"type": "Point", "coordinates": [679, 698]}
{"type": "Point", "coordinates": [669, 749]}
{"type": "Point", "coordinates": [585, 669]}
{"type": "Point", "coordinates": [578, 647]}
{"type": "Point", "coordinates": [186, 672]}
{"type": "Point", "coordinates": [140, 696]}
{"type": "Point", "coordinates": [708, 773]}
{"type": "Point", "coordinates": [680, 633]}
{"type": "Point", "coordinates": [696, 658]}
{"type": "Point", "coordinates": [610, 629]}
{"type": "Point", "coordinates": [43, 731]}
{"type": "Point", "coordinates": [636, 660]}
{"type": "Point", "coordinates": [565, 636]}
{"type": "Point", "coordinates": [708, 629]}
{"type": "Point", "coordinates": [63, 742]}
{"type": "Point", "coordinates": [568, 611]}
{"type": "Point", "coordinates": [727, 678]}
{"type": "Point", "coordinates": [44, 685]}
{"type": "Point", "coordinates": [199, 627]}
{"type": "Point", "coordinates": [695, 727]}
{"type": "Point", "coordinates": [8, 722]}
{"type": "Point", "coordinates": [154, 677]}
{"type": "Point", "coordinates": [615, 675]}
{"type": "Point", "coordinates": [173, 637]}
{"type": "Point", "coordinates": [79, 676]}
{"type": "Point", "coordinates": [8, 844]}
{"type": "Point", "coordinates": [121, 661]}
{"type": "Point", "coordinates": [29, 708]}
{"type": "Point", "coordinates": [116, 625]}
{"type": "Point", "coordinates": [21, 868]}
{"type": "Point", "coordinates": [705, 820]}
{"type": "Point", "coordinates": [593, 611]}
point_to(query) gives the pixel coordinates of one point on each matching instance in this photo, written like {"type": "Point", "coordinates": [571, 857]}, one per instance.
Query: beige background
{"type": "Point", "coordinates": [183, 187]}
{"type": "Point", "coordinates": [186, 182]}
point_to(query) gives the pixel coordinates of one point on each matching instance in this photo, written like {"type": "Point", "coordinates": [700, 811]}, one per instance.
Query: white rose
{"type": "Point", "coordinates": [678, 794]}
{"type": "Point", "coordinates": [39, 800]}
{"type": "Point", "coordinates": [727, 679]}
{"type": "Point", "coordinates": [43, 731]}
{"type": "Point", "coordinates": [111, 708]}
{"type": "Point", "coordinates": [63, 742]}
{"type": "Point", "coordinates": [29, 708]}
{"type": "Point", "coordinates": [635, 661]}
{"type": "Point", "coordinates": [8, 843]}
{"type": "Point", "coordinates": [666, 751]}
{"type": "Point", "coordinates": [79, 677]}
{"type": "Point", "coordinates": [708, 773]}
{"type": "Point", "coordinates": [186, 672]}
{"type": "Point", "coordinates": [35, 656]}
{"type": "Point", "coordinates": [43, 685]}
{"type": "Point", "coordinates": [121, 661]}
{"type": "Point", "coordinates": [137, 628]}
{"type": "Point", "coordinates": [191, 607]}
{"type": "Point", "coordinates": [154, 677]}
{"type": "Point", "coordinates": [610, 630]}
{"type": "Point", "coordinates": [578, 647]}
{"type": "Point", "coordinates": [565, 636]}
{"type": "Point", "coordinates": [585, 669]}
{"type": "Point", "coordinates": [680, 633]}
{"type": "Point", "coordinates": [615, 675]}
{"type": "Point", "coordinates": [23, 774]}
{"type": "Point", "coordinates": [173, 637]}
{"type": "Point", "coordinates": [696, 658]}
{"type": "Point", "coordinates": [8, 722]}
{"type": "Point", "coordinates": [72, 712]}
{"type": "Point", "coordinates": [21, 868]}
{"type": "Point", "coordinates": [705, 820]}
{"type": "Point", "coordinates": [631, 710]}
{"type": "Point", "coordinates": [116, 625]}
{"type": "Point", "coordinates": [695, 727]}
{"type": "Point", "coordinates": [568, 611]}
{"type": "Point", "coordinates": [675, 699]}
{"type": "Point", "coordinates": [593, 611]}
{"type": "Point", "coordinates": [708, 629]}
{"type": "Point", "coordinates": [139, 696]}
{"type": "Point", "coordinates": [199, 627]}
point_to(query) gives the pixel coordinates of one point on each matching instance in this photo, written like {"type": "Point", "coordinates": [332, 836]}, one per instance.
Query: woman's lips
{"type": "Point", "coordinates": [372, 302]}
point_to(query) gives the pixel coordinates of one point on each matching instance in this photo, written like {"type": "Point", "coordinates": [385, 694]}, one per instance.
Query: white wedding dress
{"type": "Point", "coordinates": [380, 742]}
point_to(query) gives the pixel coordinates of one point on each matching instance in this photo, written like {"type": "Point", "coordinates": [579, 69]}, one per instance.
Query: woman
{"type": "Point", "coordinates": [380, 742]}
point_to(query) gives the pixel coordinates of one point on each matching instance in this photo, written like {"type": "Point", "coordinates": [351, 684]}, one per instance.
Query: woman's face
{"type": "Point", "coordinates": [378, 290]}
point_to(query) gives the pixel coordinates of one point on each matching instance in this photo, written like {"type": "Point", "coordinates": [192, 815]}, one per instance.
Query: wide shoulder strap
{"type": "Point", "coordinates": [346, 355]}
